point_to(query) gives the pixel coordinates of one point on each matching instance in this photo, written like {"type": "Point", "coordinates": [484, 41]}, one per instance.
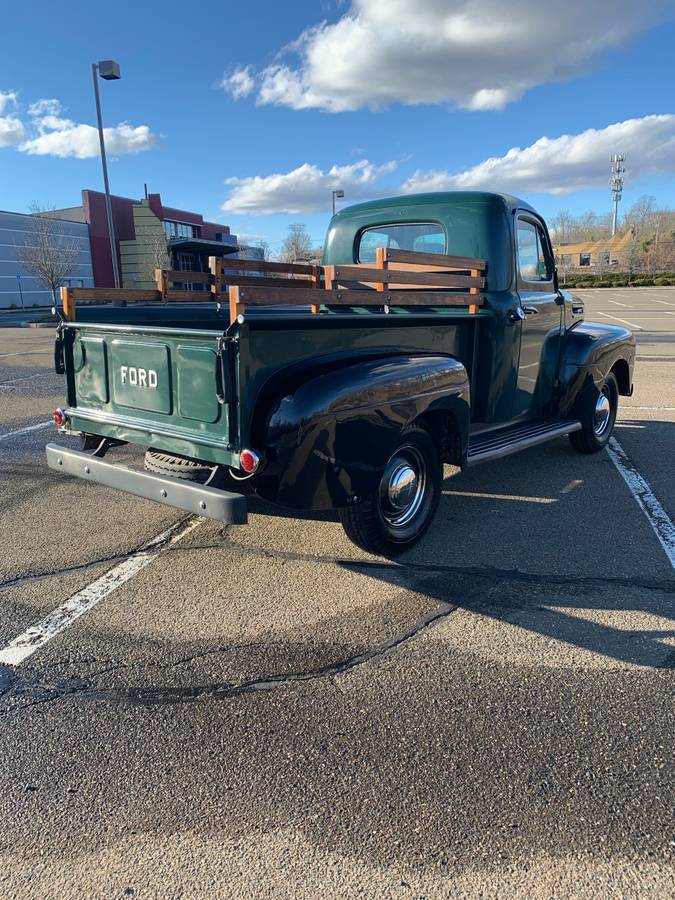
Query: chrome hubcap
{"type": "Point", "coordinates": [402, 487]}
{"type": "Point", "coordinates": [603, 411]}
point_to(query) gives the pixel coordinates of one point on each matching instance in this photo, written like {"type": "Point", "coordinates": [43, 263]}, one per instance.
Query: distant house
{"type": "Point", "coordinates": [596, 255]}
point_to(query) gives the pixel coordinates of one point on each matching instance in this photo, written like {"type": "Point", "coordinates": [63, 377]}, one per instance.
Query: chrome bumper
{"type": "Point", "coordinates": [223, 506]}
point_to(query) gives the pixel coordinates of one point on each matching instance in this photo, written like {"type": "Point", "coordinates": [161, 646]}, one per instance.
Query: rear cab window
{"type": "Point", "coordinates": [421, 237]}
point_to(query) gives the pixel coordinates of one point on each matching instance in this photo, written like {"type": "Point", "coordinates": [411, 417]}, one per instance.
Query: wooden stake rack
{"type": "Point", "coordinates": [398, 278]}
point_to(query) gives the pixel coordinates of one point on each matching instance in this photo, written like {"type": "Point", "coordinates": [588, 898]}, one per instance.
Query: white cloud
{"type": "Point", "coordinates": [478, 54]}
{"type": "Point", "coordinates": [565, 164]}
{"type": "Point", "coordinates": [81, 141]}
{"type": "Point", "coordinates": [45, 107]}
{"type": "Point", "coordinates": [7, 100]}
{"type": "Point", "coordinates": [12, 131]}
{"type": "Point", "coordinates": [305, 189]}
{"type": "Point", "coordinates": [52, 123]}
{"type": "Point", "coordinates": [47, 133]}
{"type": "Point", "coordinates": [240, 83]}
{"type": "Point", "coordinates": [561, 165]}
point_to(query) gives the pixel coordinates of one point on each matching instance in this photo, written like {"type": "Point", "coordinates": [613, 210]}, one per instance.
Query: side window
{"type": "Point", "coordinates": [534, 260]}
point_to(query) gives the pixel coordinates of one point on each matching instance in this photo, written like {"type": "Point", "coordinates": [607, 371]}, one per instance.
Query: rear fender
{"type": "Point", "coordinates": [327, 441]}
{"type": "Point", "coordinates": [590, 352]}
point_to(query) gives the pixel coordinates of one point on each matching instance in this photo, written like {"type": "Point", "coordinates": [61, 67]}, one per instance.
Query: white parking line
{"type": "Point", "coordinates": [25, 378]}
{"type": "Point", "coordinates": [623, 321]}
{"type": "Point", "coordinates": [639, 487]}
{"type": "Point", "coordinates": [13, 434]}
{"type": "Point", "coordinates": [63, 616]}
{"type": "Point", "coordinates": [25, 352]}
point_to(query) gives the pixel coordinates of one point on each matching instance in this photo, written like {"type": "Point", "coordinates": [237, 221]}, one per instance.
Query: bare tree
{"type": "Point", "coordinates": [562, 225]}
{"type": "Point", "coordinates": [297, 245]}
{"type": "Point", "coordinates": [633, 258]}
{"type": "Point", "coordinates": [264, 247]}
{"type": "Point", "coordinates": [158, 254]}
{"type": "Point", "coordinates": [48, 251]}
{"type": "Point", "coordinates": [641, 213]}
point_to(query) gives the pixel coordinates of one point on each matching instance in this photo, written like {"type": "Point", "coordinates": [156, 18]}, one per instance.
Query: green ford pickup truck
{"type": "Point", "coordinates": [434, 332]}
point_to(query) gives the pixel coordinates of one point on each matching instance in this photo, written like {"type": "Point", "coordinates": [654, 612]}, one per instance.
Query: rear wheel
{"type": "Point", "coordinates": [598, 414]}
{"type": "Point", "coordinates": [396, 515]}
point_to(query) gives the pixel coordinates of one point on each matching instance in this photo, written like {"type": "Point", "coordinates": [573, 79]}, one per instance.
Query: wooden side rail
{"type": "Point", "coordinates": [336, 275]}
{"type": "Point", "coordinates": [96, 296]}
{"type": "Point", "coordinates": [240, 297]}
{"type": "Point", "coordinates": [437, 260]}
{"type": "Point", "coordinates": [181, 277]}
{"type": "Point", "coordinates": [261, 265]}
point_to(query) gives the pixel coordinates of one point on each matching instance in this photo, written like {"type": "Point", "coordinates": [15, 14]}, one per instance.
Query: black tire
{"type": "Point", "coordinates": [597, 426]}
{"type": "Point", "coordinates": [182, 467]}
{"type": "Point", "coordinates": [379, 526]}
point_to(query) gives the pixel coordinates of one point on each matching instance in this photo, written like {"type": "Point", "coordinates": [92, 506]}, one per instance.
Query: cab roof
{"type": "Point", "coordinates": [410, 201]}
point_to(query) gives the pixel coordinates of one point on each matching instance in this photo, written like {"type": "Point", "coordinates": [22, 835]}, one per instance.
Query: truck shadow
{"type": "Point", "coordinates": [631, 623]}
{"type": "Point", "coordinates": [569, 559]}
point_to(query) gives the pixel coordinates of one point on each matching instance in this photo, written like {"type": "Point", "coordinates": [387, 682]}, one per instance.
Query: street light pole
{"type": "Point", "coordinates": [109, 70]}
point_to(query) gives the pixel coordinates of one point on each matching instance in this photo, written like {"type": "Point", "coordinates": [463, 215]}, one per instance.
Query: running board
{"type": "Point", "coordinates": [495, 444]}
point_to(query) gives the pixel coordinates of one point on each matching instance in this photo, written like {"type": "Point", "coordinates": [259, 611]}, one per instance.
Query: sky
{"type": "Point", "coordinates": [253, 113]}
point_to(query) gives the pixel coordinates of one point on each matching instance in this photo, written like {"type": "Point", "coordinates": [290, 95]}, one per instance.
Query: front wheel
{"type": "Point", "coordinates": [598, 414]}
{"type": "Point", "coordinates": [396, 515]}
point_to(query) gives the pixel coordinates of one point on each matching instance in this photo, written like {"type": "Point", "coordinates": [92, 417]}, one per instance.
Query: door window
{"type": "Point", "coordinates": [534, 259]}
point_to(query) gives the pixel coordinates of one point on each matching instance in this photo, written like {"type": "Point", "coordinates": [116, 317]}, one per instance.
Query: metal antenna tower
{"type": "Point", "coordinates": [616, 184]}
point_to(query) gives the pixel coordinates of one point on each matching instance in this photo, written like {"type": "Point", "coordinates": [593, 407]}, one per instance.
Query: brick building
{"type": "Point", "coordinates": [147, 233]}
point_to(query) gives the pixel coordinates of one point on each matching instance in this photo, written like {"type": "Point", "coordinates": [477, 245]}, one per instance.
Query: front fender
{"type": "Point", "coordinates": [327, 442]}
{"type": "Point", "coordinates": [590, 351]}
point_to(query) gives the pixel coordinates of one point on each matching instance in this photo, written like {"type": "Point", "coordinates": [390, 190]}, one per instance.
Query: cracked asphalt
{"type": "Point", "coordinates": [267, 711]}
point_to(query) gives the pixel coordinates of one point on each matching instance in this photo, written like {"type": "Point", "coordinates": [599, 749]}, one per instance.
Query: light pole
{"type": "Point", "coordinates": [110, 71]}
{"type": "Point", "coordinates": [339, 195]}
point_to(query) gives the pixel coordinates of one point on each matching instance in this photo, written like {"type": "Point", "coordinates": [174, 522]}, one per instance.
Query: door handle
{"type": "Point", "coordinates": [515, 315]}
{"type": "Point", "coordinates": [530, 310]}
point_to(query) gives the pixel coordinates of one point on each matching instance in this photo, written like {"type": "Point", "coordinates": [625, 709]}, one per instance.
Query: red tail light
{"type": "Point", "coordinates": [249, 461]}
{"type": "Point", "coordinates": [59, 417]}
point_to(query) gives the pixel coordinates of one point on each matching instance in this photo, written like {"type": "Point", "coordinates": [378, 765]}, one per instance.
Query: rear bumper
{"type": "Point", "coordinates": [223, 506]}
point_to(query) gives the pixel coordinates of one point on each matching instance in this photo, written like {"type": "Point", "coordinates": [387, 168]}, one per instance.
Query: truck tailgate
{"type": "Point", "coordinates": [170, 388]}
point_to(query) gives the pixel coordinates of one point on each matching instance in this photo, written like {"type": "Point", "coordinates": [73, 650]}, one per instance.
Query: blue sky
{"type": "Point", "coordinates": [215, 92]}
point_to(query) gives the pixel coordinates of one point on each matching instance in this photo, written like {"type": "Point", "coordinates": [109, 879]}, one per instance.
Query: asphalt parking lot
{"type": "Point", "coordinates": [268, 711]}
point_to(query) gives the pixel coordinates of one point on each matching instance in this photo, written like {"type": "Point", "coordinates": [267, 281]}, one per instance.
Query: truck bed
{"type": "Point", "coordinates": [188, 377]}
